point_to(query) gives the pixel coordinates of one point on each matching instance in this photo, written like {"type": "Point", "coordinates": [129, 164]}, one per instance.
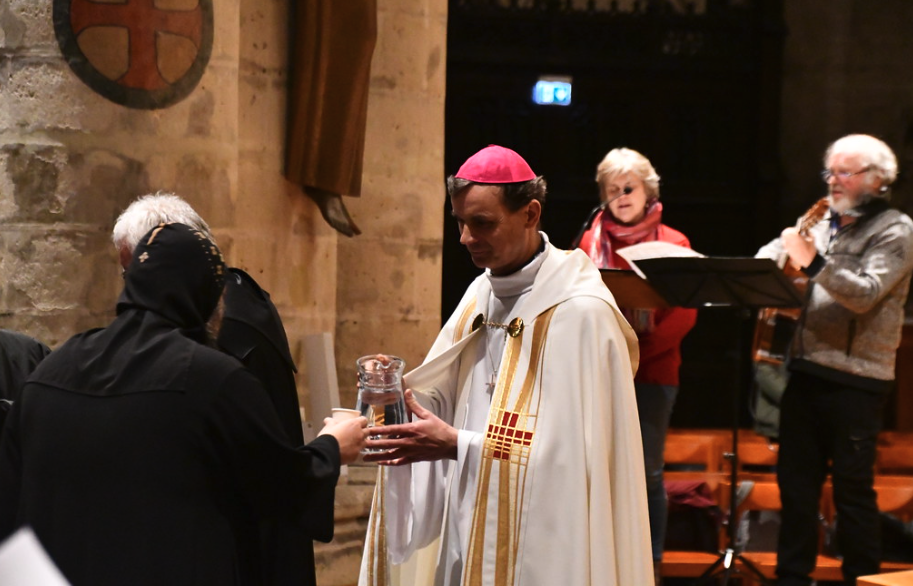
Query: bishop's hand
{"type": "Point", "coordinates": [426, 439]}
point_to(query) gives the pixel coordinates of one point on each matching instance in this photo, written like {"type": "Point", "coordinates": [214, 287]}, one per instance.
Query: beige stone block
{"type": "Point", "coordinates": [362, 474]}
{"type": "Point", "coordinates": [264, 196]}
{"type": "Point", "coordinates": [262, 114]}
{"type": "Point", "coordinates": [208, 113]}
{"type": "Point", "coordinates": [227, 33]}
{"type": "Point", "coordinates": [423, 197]}
{"type": "Point", "coordinates": [298, 267]}
{"type": "Point", "coordinates": [98, 184]}
{"type": "Point", "coordinates": [55, 327]}
{"type": "Point", "coordinates": [410, 56]}
{"type": "Point", "coordinates": [380, 278]}
{"type": "Point", "coordinates": [312, 279]}
{"type": "Point", "coordinates": [254, 252]}
{"type": "Point", "coordinates": [353, 501]}
{"type": "Point", "coordinates": [264, 42]}
{"type": "Point", "coordinates": [30, 181]}
{"type": "Point", "coordinates": [405, 137]}
{"type": "Point", "coordinates": [432, 9]}
{"type": "Point", "coordinates": [205, 178]}
{"type": "Point", "coordinates": [45, 95]}
{"type": "Point", "coordinates": [338, 562]}
{"type": "Point", "coordinates": [297, 327]}
{"type": "Point", "coordinates": [27, 24]}
{"type": "Point", "coordinates": [392, 217]}
{"type": "Point", "coordinates": [44, 270]}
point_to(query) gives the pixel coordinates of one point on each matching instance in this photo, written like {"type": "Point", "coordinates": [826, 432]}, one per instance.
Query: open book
{"type": "Point", "coordinates": [655, 249]}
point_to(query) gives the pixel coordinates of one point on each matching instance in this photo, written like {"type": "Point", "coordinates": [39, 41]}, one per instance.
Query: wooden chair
{"type": "Point", "coordinates": [758, 456]}
{"type": "Point", "coordinates": [693, 455]}
{"type": "Point", "coordinates": [888, 579]}
{"type": "Point", "coordinates": [696, 451]}
{"type": "Point", "coordinates": [765, 496]}
{"type": "Point", "coordinates": [892, 437]}
{"type": "Point", "coordinates": [894, 495]}
{"type": "Point", "coordinates": [698, 454]}
{"type": "Point", "coordinates": [894, 458]}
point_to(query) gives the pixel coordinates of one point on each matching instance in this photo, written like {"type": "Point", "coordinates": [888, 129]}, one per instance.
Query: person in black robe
{"type": "Point", "coordinates": [136, 451]}
{"type": "Point", "coordinates": [19, 355]}
{"type": "Point", "coordinates": [252, 332]}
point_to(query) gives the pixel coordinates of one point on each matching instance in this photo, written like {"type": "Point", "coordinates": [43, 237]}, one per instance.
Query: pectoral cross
{"type": "Point", "coordinates": [492, 383]}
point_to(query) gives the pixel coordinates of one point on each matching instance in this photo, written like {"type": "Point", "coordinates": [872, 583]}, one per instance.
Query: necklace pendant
{"type": "Point", "coordinates": [493, 382]}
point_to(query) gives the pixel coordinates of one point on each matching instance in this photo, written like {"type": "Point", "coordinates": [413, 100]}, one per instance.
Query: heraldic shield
{"type": "Point", "coordinates": [143, 54]}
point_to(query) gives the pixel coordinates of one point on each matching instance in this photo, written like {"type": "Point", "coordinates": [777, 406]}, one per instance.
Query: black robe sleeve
{"type": "Point", "coordinates": [278, 479]}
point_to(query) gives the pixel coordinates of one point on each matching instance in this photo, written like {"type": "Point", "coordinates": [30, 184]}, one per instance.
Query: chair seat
{"type": "Point", "coordinates": [686, 564]}
{"type": "Point", "coordinates": [887, 579]}
{"type": "Point", "coordinates": [826, 567]}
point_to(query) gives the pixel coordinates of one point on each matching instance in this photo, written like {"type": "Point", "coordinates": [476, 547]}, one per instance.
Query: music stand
{"type": "Point", "coordinates": [630, 291]}
{"type": "Point", "coordinates": [744, 283]}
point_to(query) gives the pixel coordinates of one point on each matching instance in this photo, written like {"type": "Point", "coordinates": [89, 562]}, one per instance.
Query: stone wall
{"type": "Point", "coordinates": [70, 161]}
{"type": "Point", "coordinates": [389, 278]}
{"type": "Point", "coordinates": [389, 290]}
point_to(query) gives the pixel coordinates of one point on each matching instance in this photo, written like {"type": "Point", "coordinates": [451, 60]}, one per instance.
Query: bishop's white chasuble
{"type": "Point", "coordinates": [548, 487]}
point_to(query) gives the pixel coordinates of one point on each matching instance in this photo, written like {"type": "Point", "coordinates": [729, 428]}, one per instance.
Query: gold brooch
{"type": "Point", "coordinates": [513, 329]}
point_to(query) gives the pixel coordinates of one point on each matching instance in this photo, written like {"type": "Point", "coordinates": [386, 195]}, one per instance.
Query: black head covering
{"type": "Point", "coordinates": [176, 272]}
{"type": "Point", "coordinates": [171, 289]}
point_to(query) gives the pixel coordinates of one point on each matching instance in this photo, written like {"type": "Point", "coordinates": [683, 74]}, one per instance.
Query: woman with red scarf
{"type": "Point", "coordinates": [631, 213]}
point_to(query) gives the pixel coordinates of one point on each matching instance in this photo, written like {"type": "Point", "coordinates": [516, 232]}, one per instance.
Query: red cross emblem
{"type": "Point", "coordinates": [505, 436]}
{"type": "Point", "coordinates": [137, 53]}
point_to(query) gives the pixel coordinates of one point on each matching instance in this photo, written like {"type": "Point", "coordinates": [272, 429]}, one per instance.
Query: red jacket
{"type": "Point", "coordinates": [660, 350]}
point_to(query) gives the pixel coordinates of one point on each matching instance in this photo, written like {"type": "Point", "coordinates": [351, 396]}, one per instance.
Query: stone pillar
{"type": "Point", "coordinates": [70, 161]}
{"type": "Point", "coordinates": [388, 297]}
{"type": "Point", "coordinates": [389, 278]}
{"type": "Point", "coordinates": [276, 232]}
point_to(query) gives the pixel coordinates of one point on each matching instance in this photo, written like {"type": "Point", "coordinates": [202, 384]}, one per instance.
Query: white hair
{"type": "Point", "coordinates": [147, 212]}
{"type": "Point", "coordinates": [624, 160]}
{"type": "Point", "coordinates": [872, 153]}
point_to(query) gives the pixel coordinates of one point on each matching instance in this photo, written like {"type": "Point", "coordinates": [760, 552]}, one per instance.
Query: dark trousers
{"type": "Point", "coordinates": [822, 421]}
{"type": "Point", "coordinates": [654, 409]}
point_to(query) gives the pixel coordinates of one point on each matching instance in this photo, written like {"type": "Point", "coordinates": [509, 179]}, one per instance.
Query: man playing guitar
{"type": "Point", "coordinates": [841, 357]}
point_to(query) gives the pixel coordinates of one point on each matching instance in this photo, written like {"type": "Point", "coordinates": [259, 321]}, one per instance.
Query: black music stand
{"type": "Point", "coordinates": [630, 291]}
{"type": "Point", "coordinates": [743, 283]}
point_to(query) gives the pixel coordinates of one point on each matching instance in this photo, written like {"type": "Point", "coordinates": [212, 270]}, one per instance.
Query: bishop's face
{"type": "Point", "coordinates": [496, 237]}
{"type": "Point", "coordinates": [849, 181]}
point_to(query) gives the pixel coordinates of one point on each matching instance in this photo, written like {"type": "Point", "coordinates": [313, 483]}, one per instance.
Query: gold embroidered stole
{"type": "Point", "coordinates": [508, 441]}
{"type": "Point", "coordinates": [460, 332]}
{"type": "Point", "coordinates": [376, 546]}
{"type": "Point", "coordinates": [376, 542]}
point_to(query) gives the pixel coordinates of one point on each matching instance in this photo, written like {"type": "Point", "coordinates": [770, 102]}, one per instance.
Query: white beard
{"type": "Point", "coordinates": [839, 206]}
{"type": "Point", "coordinates": [846, 205]}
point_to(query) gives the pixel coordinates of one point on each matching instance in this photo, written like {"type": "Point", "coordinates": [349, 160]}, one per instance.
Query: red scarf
{"type": "Point", "coordinates": [606, 230]}
{"type": "Point", "coordinates": [644, 231]}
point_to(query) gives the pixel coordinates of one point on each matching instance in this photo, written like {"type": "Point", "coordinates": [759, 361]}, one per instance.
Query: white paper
{"type": "Point", "coordinates": [23, 562]}
{"type": "Point", "coordinates": [654, 249]}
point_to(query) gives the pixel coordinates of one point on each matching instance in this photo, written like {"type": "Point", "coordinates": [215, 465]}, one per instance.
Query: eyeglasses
{"type": "Point", "coordinates": [826, 174]}
{"type": "Point", "coordinates": [613, 195]}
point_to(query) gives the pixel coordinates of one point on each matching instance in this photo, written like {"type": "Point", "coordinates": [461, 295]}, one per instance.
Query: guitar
{"type": "Point", "coordinates": [775, 327]}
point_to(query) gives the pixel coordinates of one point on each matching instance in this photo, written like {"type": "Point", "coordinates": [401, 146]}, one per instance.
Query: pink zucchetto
{"type": "Point", "coordinates": [495, 164]}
